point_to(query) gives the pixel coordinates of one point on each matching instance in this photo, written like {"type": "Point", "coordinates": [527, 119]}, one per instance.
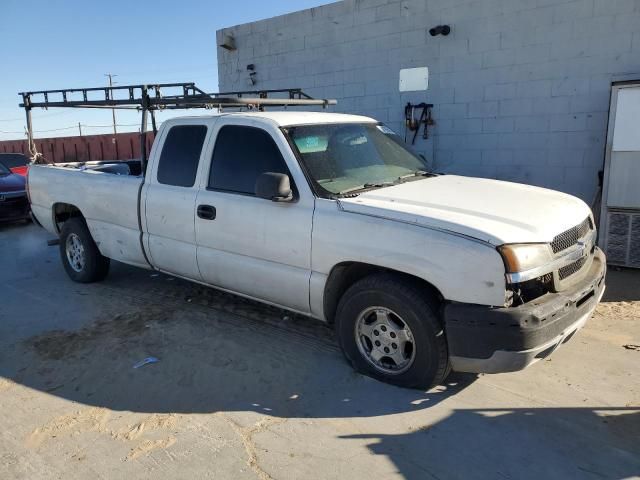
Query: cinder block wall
{"type": "Point", "coordinates": [520, 87]}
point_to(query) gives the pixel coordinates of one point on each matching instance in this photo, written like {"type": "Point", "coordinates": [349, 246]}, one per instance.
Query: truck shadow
{"type": "Point", "coordinates": [518, 443]}
{"type": "Point", "coordinates": [216, 352]}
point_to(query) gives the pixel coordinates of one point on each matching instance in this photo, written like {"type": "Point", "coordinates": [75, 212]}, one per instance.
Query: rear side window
{"type": "Point", "coordinates": [180, 155]}
{"type": "Point", "coordinates": [240, 156]}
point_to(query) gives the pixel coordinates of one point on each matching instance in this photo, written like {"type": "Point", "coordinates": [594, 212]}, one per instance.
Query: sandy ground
{"type": "Point", "coordinates": [247, 391]}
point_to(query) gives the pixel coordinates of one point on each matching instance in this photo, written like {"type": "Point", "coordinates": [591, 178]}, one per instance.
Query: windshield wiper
{"type": "Point", "coordinates": [417, 173]}
{"type": "Point", "coordinates": [366, 186]}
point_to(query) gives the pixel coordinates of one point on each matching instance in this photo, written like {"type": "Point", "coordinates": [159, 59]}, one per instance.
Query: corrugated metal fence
{"type": "Point", "coordinates": [122, 146]}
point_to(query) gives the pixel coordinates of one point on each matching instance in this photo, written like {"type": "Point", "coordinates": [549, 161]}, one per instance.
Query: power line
{"type": "Point", "coordinates": [76, 126]}
{"type": "Point", "coordinates": [46, 115]}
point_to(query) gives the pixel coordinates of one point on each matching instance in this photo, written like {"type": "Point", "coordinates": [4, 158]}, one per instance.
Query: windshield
{"type": "Point", "coordinates": [344, 158]}
{"type": "Point", "coordinates": [4, 170]}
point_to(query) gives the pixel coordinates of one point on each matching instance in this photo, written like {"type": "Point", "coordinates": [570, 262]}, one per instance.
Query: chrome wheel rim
{"type": "Point", "coordinates": [385, 340]}
{"type": "Point", "coordinates": [75, 252]}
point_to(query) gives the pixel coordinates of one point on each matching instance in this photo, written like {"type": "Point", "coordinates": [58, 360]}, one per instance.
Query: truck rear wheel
{"type": "Point", "coordinates": [388, 330]}
{"type": "Point", "coordinates": [80, 256]}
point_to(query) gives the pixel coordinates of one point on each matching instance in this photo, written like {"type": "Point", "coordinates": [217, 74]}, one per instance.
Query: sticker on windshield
{"type": "Point", "coordinates": [311, 144]}
{"type": "Point", "coordinates": [386, 130]}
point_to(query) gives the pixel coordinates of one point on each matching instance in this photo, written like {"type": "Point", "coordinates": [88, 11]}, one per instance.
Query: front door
{"type": "Point", "coordinates": [247, 244]}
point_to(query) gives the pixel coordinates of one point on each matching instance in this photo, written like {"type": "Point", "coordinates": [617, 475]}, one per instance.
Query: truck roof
{"type": "Point", "coordinates": [284, 119]}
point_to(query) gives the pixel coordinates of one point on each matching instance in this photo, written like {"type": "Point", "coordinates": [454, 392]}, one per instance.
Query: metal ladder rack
{"type": "Point", "coordinates": [148, 98]}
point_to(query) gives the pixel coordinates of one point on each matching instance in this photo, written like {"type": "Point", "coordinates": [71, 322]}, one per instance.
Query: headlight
{"type": "Point", "coordinates": [525, 256]}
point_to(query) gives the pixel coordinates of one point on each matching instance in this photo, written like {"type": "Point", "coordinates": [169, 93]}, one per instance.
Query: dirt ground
{"type": "Point", "coordinates": [247, 391]}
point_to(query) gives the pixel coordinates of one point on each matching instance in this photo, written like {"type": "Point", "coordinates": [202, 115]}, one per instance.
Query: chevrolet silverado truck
{"type": "Point", "coordinates": [331, 216]}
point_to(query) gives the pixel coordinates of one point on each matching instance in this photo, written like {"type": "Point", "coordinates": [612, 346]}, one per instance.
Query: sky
{"type": "Point", "coordinates": [48, 44]}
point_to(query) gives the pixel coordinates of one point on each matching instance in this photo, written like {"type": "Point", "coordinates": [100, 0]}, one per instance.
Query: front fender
{"type": "Point", "coordinates": [461, 268]}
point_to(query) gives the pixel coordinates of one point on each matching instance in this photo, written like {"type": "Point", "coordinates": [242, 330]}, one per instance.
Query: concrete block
{"type": "Point", "coordinates": [566, 157]}
{"type": "Point", "coordinates": [534, 89]}
{"type": "Point", "coordinates": [467, 125]}
{"type": "Point", "coordinates": [636, 42]}
{"type": "Point", "coordinates": [444, 127]}
{"type": "Point", "coordinates": [441, 95]}
{"type": "Point", "coordinates": [450, 47]}
{"type": "Point", "coordinates": [597, 121]}
{"type": "Point", "coordinates": [470, 92]}
{"type": "Point", "coordinates": [593, 159]}
{"type": "Point", "coordinates": [569, 123]}
{"type": "Point", "coordinates": [531, 157]}
{"type": "Point", "coordinates": [466, 63]}
{"type": "Point", "coordinates": [620, 7]}
{"type": "Point", "coordinates": [364, 5]}
{"type": "Point", "coordinates": [387, 11]}
{"type": "Point", "coordinates": [413, 38]}
{"type": "Point", "coordinates": [590, 103]}
{"type": "Point", "coordinates": [484, 43]}
{"type": "Point", "coordinates": [481, 141]}
{"type": "Point", "coordinates": [354, 89]}
{"type": "Point", "coordinates": [497, 157]}
{"type": "Point", "coordinates": [482, 109]}
{"type": "Point", "coordinates": [534, 123]}
{"type": "Point", "coordinates": [500, 91]}
{"type": "Point", "coordinates": [571, 11]}
{"type": "Point", "coordinates": [452, 142]}
{"type": "Point", "coordinates": [515, 107]}
{"type": "Point", "coordinates": [498, 125]}
{"type": "Point", "coordinates": [570, 86]}
{"type": "Point", "coordinates": [532, 54]}
{"type": "Point", "coordinates": [499, 58]}
{"type": "Point", "coordinates": [361, 16]}
{"type": "Point", "coordinates": [523, 141]}
{"type": "Point", "coordinates": [551, 106]}
{"type": "Point", "coordinates": [612, 44]}
{"type": "Point", "coordinates": [585, 139]}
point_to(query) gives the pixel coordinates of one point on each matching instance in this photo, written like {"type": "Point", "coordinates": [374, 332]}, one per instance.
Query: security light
{"type": "Point", "coordinates": [443, 30]}
{"type": "Point", "coordinates": [228, 43]}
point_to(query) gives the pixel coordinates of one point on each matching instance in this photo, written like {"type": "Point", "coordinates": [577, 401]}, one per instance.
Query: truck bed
{"type": "Point", "coordinates": [106, 194]}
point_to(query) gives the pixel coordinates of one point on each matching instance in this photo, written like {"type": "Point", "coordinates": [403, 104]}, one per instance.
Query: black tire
{"type": "Point", "coordinates": [413, 305]}
{"type": "Point", "coordinates": [95, 266]}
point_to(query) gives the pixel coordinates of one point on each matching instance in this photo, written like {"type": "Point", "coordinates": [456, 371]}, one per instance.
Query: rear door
{"type": "Point", "coordinates": [247, 244]}
{"type": "Point", "coordinates": [170, 196]}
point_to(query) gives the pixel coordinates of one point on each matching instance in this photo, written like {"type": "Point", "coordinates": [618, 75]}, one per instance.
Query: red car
{"type": "Point", "coordinates": [14, 204]}
{"type": "Point", "coordinates": [16, 162]}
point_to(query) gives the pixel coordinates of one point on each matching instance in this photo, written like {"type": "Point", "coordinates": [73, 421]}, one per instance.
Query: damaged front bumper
{"type": "Point", "coordinates": [485, 339]}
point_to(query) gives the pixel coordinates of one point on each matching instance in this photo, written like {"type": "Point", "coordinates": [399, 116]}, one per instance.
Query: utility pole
{"type": "Point", "coordinates": [113, 110]}
{"type": "Point", "coordinates": [80, 128]}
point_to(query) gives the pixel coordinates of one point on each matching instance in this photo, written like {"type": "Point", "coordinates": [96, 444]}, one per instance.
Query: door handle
{"type": "Point", "coordinates": [206, 212]}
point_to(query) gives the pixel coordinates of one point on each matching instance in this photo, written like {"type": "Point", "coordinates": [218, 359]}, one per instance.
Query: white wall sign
{"type": "Point", "coordinates": [414, 79]}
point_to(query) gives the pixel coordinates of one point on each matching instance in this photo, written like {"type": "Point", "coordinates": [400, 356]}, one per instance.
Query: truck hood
{"type": "Point", "coordinates": [488, 210]}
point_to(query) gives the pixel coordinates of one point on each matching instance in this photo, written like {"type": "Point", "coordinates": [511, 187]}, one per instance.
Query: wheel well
{"type": "Point", "coordinates": [63, 212]}
{"type": "Point", "coordinates": [345, 274]}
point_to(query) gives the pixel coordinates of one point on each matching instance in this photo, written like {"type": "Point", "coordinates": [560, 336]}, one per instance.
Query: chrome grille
{"type": "Point", "coordinates": [569, 238]}
{"type": "Point", "coordinates": [572, 268]}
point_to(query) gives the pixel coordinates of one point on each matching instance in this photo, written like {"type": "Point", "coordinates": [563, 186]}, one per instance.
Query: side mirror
{"type": "Point", "coordinates": [274, 186]}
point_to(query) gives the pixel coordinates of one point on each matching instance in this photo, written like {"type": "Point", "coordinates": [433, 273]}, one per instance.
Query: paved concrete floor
{"type": "Point", "coordinates": [247, 391]}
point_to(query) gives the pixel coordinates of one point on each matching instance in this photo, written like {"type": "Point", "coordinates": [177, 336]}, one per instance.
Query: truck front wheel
{"type": "Point", "coordinates": [80, 256]}
{"type": "Point", "coordinates": [388, 330]}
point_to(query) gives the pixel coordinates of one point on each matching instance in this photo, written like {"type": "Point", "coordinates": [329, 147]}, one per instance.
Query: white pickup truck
{"type": "Point", "coordinates": [329, 215]}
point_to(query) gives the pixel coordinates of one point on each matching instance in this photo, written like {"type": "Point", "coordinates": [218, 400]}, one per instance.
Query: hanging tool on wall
{"type": "Point", "coordinates": [416, 115]}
